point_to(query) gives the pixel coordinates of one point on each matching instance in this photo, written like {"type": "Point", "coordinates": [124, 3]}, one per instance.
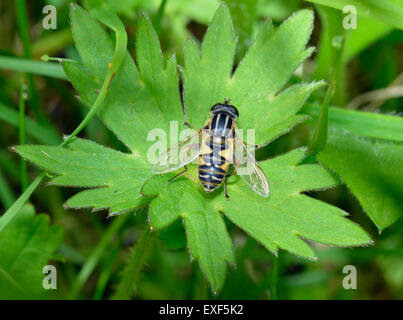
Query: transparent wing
{"type": "Point", "coordinates": [179, 155]}
{"type": "Point", "coordinates": [249, 170]}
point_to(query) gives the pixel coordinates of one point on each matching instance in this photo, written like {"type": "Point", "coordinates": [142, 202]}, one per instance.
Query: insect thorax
{"type": "Point", "coordinates": [221, 125]}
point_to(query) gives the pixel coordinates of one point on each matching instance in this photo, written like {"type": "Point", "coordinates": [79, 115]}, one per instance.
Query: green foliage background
{"type": "Point", "coordinates": [260, 54]}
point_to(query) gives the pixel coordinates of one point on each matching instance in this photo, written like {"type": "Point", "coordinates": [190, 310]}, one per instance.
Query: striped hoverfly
{"type": "Point", "coordinates": [217, 146]}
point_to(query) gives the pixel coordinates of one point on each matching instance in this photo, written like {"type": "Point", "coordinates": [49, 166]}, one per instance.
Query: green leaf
{"type": "Point", "coordinates": [207, 236]}
{"type": "Point", "coordinates": [255, 86]}
{"type": "Point", "coordinates": [84, 163]}
{"type": "Point", "coordinates": [281, 221]}
{"type": "Point", "coordinates": [145, 96]}
{"type": "Point", "coordinates": [373, 171]}
{"type": "Point", "coordinates": [356, 40]}
{"type": "Point", "coordinates": [26, 245]}
{"type": "Point", "coordinates": [173, 236]}
{"type": "Point", "coordinates": [138, 100]}
{"type": "Point", "coordinates": [388, 11]}
{"type": "Point", "coordinates": [243, 13]}
{"type": "Point", "coordinates": [288, 215]}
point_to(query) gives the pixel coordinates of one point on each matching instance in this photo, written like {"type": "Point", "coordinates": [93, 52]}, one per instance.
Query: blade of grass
{"type": "Point", "coordinates": [22, 137]}
{"type": "Point", "coordinates": [17, 205]}
{"type": "Point", "coordinates": [41, 133]}
{"type": "Point", "coordinates": [362, 123]}
{"type": "Point", "coordinates": [132, 270]}
{"type": "Point", "coordinates": [23, 26]}
{"type": "Point", "coordinates": [71, 254]}
{"type": "Point", "coordinates": [319, 138]}
{"type": "Point", "coordinates": [106, 272]}
{"type": "Point", "coordinates": [52, 70]}
{"type": "Point", "coordinates": [96, 255]}
{"type": "Point", "coordinates": [22, 20]}
{"type": "Point", "coordinates": [9, 166]}
{"type": "Point", "coordinates": [157, 21]}
{"type": "Point", "coordinates": [6, 195]}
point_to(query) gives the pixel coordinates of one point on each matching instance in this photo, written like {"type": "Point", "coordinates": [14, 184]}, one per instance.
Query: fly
{"type": "Point", "coordinates": [217, 146]}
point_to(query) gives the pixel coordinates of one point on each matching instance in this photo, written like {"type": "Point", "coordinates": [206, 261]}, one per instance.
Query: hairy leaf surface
{"type": "Point", "coordinates": [145, 95]}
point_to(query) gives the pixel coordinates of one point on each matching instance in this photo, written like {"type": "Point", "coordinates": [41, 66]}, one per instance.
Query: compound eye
{"type": "Point", "coordinates": [235, 111]}
{"type": "Point", "coordinates": [213, 108]}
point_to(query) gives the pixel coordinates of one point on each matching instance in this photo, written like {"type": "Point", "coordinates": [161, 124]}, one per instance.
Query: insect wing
{"type": "Point", "coordinates": [179, 155]}
{"type": "Point", "coordinates": [249, 170]}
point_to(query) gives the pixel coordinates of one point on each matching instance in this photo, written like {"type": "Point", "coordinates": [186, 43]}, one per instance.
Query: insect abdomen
{"type": "Point", "coordinates": [212, 176]}
{"type": "Point", "coordinates": [213, 165]}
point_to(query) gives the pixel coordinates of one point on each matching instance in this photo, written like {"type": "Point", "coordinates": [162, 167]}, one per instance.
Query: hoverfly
{"type": "Point", "coordinates": [217, 145]}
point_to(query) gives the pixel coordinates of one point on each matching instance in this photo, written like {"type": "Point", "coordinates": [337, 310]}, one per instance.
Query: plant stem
{"type": "Point", "coordinates": [6, 195]}
{"type": "Point", "coordinates": [22, 137]}
{"type": "Point", "coordinates": [132, 270]}
{"type": "Point", "coordinates": [96, 255]}
{"type": "Point", "coordinates": [274, 278]}
{"type": "Point", "coordinates": [319, 139]}
{"type": "Point", "coordinates": [106, 272]}
{"type": "Point", "coordinates": [22, 20]}
{"type": "Point", "coordinates": [23, 26]}
{"type": "Point", "coordinates": [52, 70]}
{"type": "Point", "coordinates": [17, 205]}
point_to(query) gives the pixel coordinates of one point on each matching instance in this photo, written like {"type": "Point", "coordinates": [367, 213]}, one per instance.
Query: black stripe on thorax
{"type": "Point", "coordinates": [221, 124]}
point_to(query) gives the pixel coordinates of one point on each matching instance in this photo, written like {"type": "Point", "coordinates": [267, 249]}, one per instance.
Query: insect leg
{"type": "Point", "coordinates": [189, 125]}
{"type": "Point", "coordinates": [225, 188]}
{"type": "Point", "coordinates": [225, 183]}
{"type": "Point", "coordinates": [179, 174]}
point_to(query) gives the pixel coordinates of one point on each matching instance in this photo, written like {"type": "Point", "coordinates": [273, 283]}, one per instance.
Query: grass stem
{"type": "Point", "coordinates": [137, 260]}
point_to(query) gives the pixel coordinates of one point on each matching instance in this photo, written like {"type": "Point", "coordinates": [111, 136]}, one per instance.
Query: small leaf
{"type": "Point", "coordinates": [26, 245]}
{"type": "Point", "coordinates": [373, 171]}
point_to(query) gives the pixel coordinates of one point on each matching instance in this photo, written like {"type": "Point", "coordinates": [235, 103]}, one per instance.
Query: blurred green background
{"type": "Point", "coordinates": [102, 246]}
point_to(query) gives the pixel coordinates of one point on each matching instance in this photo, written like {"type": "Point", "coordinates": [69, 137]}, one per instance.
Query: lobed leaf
{"type": "Point", "coordinates": [133, 106]}
{"type": "Point", "coordinates": [84, 163]}
{"type": "Point", "coordinates": [255, 85]}
{"type": "Point", "coordinates": [146, 96]}
{"type": "Point", "coordinates": [208, 239]}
